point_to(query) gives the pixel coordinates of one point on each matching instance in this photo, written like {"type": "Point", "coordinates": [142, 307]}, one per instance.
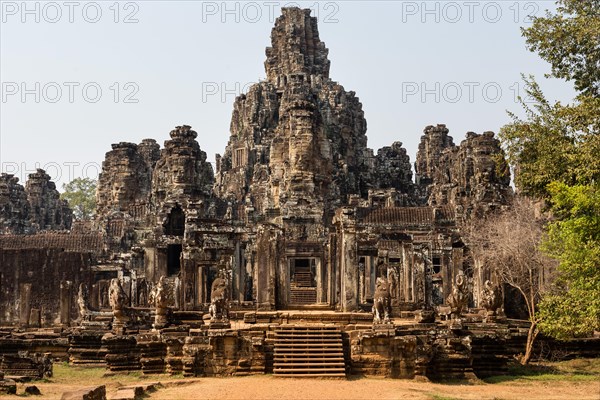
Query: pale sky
{"type": "Point", "coordinates": [159, 64]}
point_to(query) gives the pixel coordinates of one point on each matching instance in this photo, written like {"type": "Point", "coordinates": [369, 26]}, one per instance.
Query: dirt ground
{"type": "Point", "coordinates": [269, 387]}
{"type": "Point", "coordinates": [575, 379]}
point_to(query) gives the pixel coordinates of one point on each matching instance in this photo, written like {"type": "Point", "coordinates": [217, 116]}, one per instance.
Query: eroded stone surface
{"type": "Point", "coordinates": [33, 208]}
{"type": "Point", "coordinates": [14, 206]}
{"type": "Point", "coordinates": [473, 177]}
{"type": "Point", "coordinates": [48, 211]}
{"type": "Point", "coordinates": [299, 212]}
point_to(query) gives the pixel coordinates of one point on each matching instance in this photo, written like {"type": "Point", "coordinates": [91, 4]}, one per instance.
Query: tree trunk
{"type": "Point", "coordinates": [531, 335]}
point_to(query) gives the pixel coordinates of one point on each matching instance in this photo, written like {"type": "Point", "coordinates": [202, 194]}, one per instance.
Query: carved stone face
{"type": "Point", "coordinates": [182, 169]}
{"type": "Point", "coordinates": [124, 186]}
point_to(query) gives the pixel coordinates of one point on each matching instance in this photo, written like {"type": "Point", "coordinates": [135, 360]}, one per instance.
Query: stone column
{"type": "Point", "coordinates": [268, 260]}
{"type": "Point", "coordinates": [332, 269]}
{"type": "Point", "coordinates": [368, 280]}
{"type": "Point", "coordinates": [237, 292]}
{"type": "Point", "coordinates": [35, 318]}
{"type": "Point", "coordinates": [65, 302]}
{"type": "Point", "coordinates": [456, 265]}
{"type": "Point", "coordinates": [410, 280]}
{"type": "Point", "coordinates": [25, 304]}
{"type": "Point", "coordinates": [349, 290]}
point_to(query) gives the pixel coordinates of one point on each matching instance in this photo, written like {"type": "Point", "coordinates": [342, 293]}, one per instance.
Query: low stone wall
{"type": "Point", "coordinates": [33, 342]}
{"type": "Point", "coordinates": [201, 352]}
{"type": "Point", "coordinates": [440, 350]}
{"type": "Point", "coordinates": [85, 349]}
{"type": "Point", "coordinates": [35, 366]}
{"type": "Point", "coordinates": [35, 291]}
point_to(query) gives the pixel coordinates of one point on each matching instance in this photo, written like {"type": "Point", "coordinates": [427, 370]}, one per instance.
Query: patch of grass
{"type": "Point", "coordinates": [578, 370]}
{"type": "Point", "coordinates": [66, 374]}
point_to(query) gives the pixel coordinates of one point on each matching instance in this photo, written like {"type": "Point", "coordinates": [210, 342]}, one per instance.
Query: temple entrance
{"type": "Point", "coordinates": [175, 224]}
{"type": "Point", "coordinates": [303, 281]}
{"type": "Point", "coordinates": [173, 259]}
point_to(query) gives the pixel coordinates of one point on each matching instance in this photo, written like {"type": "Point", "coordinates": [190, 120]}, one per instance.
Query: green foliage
{"type": "Point", "coordinates": [81, 195]}
{"type": "Point", "coordinates": [555, 143]}
{"type": "Point", "coordinates": [570, 41]}
{"type": "Point", "coordinates": [574, 239]}
{"type": "Point", "coordinates": [578, 370]}
{"type": "Point", "coordinates": [554, 152]}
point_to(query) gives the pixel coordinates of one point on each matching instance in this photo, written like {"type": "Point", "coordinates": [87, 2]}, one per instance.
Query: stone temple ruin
{"type": "Point", "coordinates": [304, 252]}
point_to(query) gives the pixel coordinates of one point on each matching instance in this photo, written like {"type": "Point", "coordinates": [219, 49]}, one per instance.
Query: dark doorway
{"type": "Point", "coordinates": [175, 225]}
{"type": "Point", "coordinates": [303, 285]}
{"type": "Point", "coordinates": [173, 259]}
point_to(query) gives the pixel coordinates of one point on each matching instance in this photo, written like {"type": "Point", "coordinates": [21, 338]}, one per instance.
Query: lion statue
{"type": "Point", "coordinates": [458, 299]}
{"type": "Point", "coordinates": [116, 295]}
{"type": "Point", "coordinates": [219, 300]}
{"type": "Point", "coordinates": [381, 302]}
{"type": "Point", "coordinates": [160, 300]}
{"type": "Point", "coordinates": [82, 299]}
{"type": "Point", "coordinates": [160, 296]}
{"type": "Point", "coordinates": [491, 299]}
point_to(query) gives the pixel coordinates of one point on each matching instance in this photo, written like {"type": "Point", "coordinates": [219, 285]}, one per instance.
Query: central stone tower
{"type": "Point", "coordinates": [298, 147]}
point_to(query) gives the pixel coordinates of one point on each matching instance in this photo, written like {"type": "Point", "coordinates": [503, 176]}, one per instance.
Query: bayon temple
{"type": "Point", "coordinates": [300, 229]}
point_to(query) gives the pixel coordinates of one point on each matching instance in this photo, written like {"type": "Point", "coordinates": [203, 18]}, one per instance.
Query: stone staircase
{"type": "Point", "coordinates": [302, 290]}
{"type": "Point", "coordinates": [308, 351]}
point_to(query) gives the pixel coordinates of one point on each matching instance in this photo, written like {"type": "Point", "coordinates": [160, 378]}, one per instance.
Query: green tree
{"type": "Point", "coordinates": [80, 193]}
{"type": "Point", "coordinates": [574, 239]}
{"type": "Point", "coordinates": [554, 152]}
{"type": "Point", "coordinates": [554, 143]}
{"type": "Point", "coordinates": [570, 40]}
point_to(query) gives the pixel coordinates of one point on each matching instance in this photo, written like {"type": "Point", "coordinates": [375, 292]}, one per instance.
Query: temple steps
{"type": "Point", "coordinates": [308, 351]}
{"type": "Point", "coordinates": [303, 295]}
{"type": "Point", "coordinates": [303, 279]}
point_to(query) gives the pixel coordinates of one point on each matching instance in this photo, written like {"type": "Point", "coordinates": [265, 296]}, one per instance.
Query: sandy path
{"type": "Point", "coordinates": [268, 387]}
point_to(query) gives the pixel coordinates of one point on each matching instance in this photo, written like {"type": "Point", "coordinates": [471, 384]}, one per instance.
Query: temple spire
{"type": "Point", "coordinates": [295, 48]}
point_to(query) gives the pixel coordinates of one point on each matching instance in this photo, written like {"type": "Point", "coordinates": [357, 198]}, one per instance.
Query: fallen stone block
{"type": "Point", "coordinates": [131, 393]}
{"type": "Point", "coordinates": [8, 386]}
{"type": "Point", "coordinates": [33, 390]}
{"type": "Point", "coordinates": [89, 393]}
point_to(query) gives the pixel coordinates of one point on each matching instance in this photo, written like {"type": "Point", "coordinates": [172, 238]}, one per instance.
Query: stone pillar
{"type": "Point", "coordinates": [133, 291]}
{"type": "Point", "coordinates": [150, 265]}
{"type": "Point", "coordinates": [333, 269]}
{"type": "Point", "coordinates": [200, 284]}
{"type": "Point", "coordinates": [361, 281]}
{"type": "Point", "coordinates": [188, 284]}
{"type": "Point", "coordinates": [420, 270]}
{"type": "Point", "coordinates": [410, 281]}
{"type": "Point", "coordinates": [236, 274]}
{"type": "Point", "coordinates": [35, 318]}
{"type": "Point", "coordinates": [94, 297]}
{"type": "Point", "coordinates": [25, 304]}
{"type": "Point", "coordinates": [269, 259]}
{"type": "Point", "coordinates": [455, 266]}
{"type": "Point", "coordinates": [368, 280]}
{"type": "Point", "coordinates": [349, 268]}
{"type": "Point", "coordinates": [65, 302]}
{"type": "Point", "coordinates": [177, 292]}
